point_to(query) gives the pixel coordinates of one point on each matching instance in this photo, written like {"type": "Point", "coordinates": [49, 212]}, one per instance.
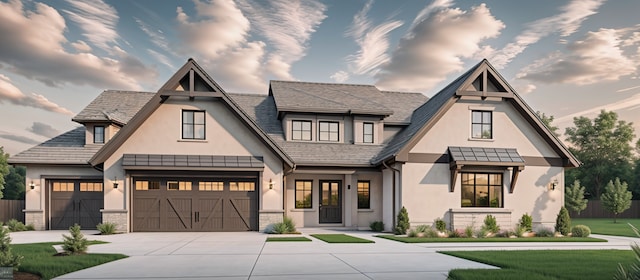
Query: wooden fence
{"type": "Point", "coordinates": [11, 209]}
{"type": "Point", "coordinates": [596, 210]}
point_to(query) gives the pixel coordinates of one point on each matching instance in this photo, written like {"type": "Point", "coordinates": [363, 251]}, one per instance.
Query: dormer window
{"type": "Point", "coordinates": [301, 130]}
{"type": "Point", "coordinates": [193, 125]}
{"type": "Point", "coordinates": [367, 132]}
{"type": "Point", "coordinates": [328, 131]}
{"type": "Point", "coordinates": [98, 134]}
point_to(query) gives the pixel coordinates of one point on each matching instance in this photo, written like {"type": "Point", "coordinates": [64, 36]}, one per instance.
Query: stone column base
{"type": "Point", "coordinates": [35, 218]}
{"type": "Point", "coordinates": [118, 217]}
{"type": "Point", "coordinates": [269, 217]}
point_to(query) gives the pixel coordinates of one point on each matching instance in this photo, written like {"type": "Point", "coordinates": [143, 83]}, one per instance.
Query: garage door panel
{"type": "Point", "coordinates": [209, 213]}
{"type": "Point", "coordinates": [147, 214]}
{"type": "Point", "coordinates": [178, 213]}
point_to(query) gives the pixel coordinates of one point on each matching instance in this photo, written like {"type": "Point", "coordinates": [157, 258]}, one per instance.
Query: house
{"type": "Point", "coordinates": [192, 157]}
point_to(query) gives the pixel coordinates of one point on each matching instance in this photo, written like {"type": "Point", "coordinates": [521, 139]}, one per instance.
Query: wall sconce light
{"type": "Point", "coordinates": [115, 182]}
{"type": "Point", "coordinates": [271, 184]}
{"type": "Point", "coordinates": [553, 185]}
{"type": "Point", "coordinates": [32, 185]}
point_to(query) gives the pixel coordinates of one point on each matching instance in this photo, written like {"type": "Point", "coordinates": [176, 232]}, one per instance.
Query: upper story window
{"type": "Point", "coordinates": [367, 132]}
{"type": "Point", "coordinates": [98, 134]}
{"type": "Point", "coordinates": [193, 124]}
{"type": "Point", "coordinates": [328, 131]}
{"type": "Point", "coordinates": [481, 125]}
{"type": "Point", "coordinates": [301, 130]}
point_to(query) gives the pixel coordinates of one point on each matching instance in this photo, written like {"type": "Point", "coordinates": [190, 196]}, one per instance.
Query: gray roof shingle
{"type": "Point", "coordinates": [66, 148]}
{"type": "Point", "coordinates": [114, 105]}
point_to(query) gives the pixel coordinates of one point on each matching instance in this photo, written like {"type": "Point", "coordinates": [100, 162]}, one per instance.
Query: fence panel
{"type": "Point", "coordinates": [11, 209]}
{"type": "Point", "coordinates": [595, 209]}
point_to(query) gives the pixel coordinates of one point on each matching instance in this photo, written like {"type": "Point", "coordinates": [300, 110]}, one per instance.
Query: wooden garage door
{"type": "Point", "coordinates": [194, 204]}
{"type": "Point", "coordinates": [76, 202]}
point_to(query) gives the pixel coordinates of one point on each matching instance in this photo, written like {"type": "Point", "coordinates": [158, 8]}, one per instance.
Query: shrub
{"type": "Point", "coordinates": [481, 233]}
{"type": "Point", "coordinates": [403, 222]}
{"type": "Point", "coordinates": [31, 227]}
{"type": "Point", "coordinates": [7, 258]}
{"type": "Point", "coordinates": [286, 226]}
{"type": "Point", "coordinates": [544, 232]}
{"type": "Point", "coordinates": [422, 228]}
{"type": "Point", "coordinates": [633, 271]}
{"type": "Point", "coordinates": [441, 225]}
{"type": "Point", "coordinates": [580, 231]}
{"type": "Point", "coordinates": [412, 233]}
{"type": "Point", "coordinates": [377, 226]}
{"type": "Point", "coordinates": [526, 221]}
{"type": "Point", "coordinates": [563, 222]}
{"type": "Point", "coordinates": [456, 233]}
{"type": "Point", "coordinates": [15, 225]}
{"type": "Point", "coordinates": [520, 230]}
{"type": "Point", "coordinates": [75, 244]}
{"type": "Point", "coordinates": [106, 228]}
{"type": "Point", "coordinates": [490, 224]}
{"type": "Point", "coordinates": [468, 231]}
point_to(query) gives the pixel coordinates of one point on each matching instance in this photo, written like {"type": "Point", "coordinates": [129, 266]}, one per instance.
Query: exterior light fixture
{"type": "Point", "coordinates": [554, 184]}
{"type": "Point", "coordinates": [32, 185]}
{"type": "Point", "coordinates": [271, 184]}
{"type": "Point", "coordinates": [115, 182]}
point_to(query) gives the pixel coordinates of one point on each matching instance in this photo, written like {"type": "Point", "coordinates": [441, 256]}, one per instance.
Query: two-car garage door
{"type": "Point", "coordinates": [194, 204]}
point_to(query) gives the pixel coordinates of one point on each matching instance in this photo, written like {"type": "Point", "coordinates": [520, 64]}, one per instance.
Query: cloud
{"type": "Point", "coordinates": [81, 46]}
{"type": "Point", "coordinates": [597, 57]}
{"type": "Point", "coordinates": [340, 76]}
{"type": "Point", "coordinates": [161, 58]}
{"type": "Point", "coordinates": [566, 23]}
{"type": "Point", "coordinates": [34, 46]}
{"type": "Point", "coordinates": [10, 93]}
{"type": "Point", "coordinates": [429, 52]}
{"type": "Point", "coordinates": [43, 129]}
{"type": "Point", "coordinates": [525, 89]}
{"type": "Point", "coordinates": [18, 138]}
{"type": "Point", "coordinates": [372, 40]}
{"type": "Point", "coordinates": [97, 20]}
{"type": "Point", "coordinates": [242, 67]}
{"type": "Point", "coordinates": [627, 103]}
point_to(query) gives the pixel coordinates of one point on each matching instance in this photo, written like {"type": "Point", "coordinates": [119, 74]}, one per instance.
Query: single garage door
{"type": "Point", "coordinates": [204, 204]}
{"type": "Point", "coordinates": [76, 202]}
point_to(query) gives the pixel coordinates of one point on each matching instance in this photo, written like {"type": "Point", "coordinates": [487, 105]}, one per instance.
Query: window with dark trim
{"type": "Point", "coordinates": [193, 124]}
{"type": "Point", "coordinates": [98, 134]}
{"type": "Point", "coordinates": [303, 193]}
{"type": "Point", "coordinates": [481, 125]}
{"type": "Point", "coordinates": [328, 131]}
{"type": "Point", "coordinates": [482, 190]}
{"type": "Point", "coordinates": [367, 132]}
{"type": "Point", "coordinates": [364, 195]}
{"type": "Point", "coordinates": [301, 130]}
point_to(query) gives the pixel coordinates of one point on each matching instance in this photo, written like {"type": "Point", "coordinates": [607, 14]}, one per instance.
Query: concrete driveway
{"type": "Point", "coordinates": [246, 255]}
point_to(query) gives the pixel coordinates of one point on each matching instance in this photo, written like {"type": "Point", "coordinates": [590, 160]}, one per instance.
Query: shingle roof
{"type": "Point", "coordinates": [402, 104]}
{"type": "Point", "coordinates": [114, 105]}
{"type": "Point", "coordinates": [66, 148]}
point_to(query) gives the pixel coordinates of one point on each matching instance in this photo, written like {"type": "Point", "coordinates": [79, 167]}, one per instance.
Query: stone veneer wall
{"type": "Point", "coordinates": [461, 218]}
{"type": "Point", "coordinates": [118, 217]}
{"type": "Point", "coordinates": [268, 218]}
{"type": "Point", "coordinates": [36, 218]}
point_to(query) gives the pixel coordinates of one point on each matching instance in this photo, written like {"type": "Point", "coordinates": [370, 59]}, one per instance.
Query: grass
{"type": "Point", "coordinates": [488, 239]}
{"type": "Point", "coordinates": [39, 259]}
{"type": "Point", "coordinates": [608, 227]}
{"type": "Point", "coordinates": [341, 238]}
{"type": "Point", "coordinates": [286, 239]}
{"type": "Point", "coordinates": [547, 264]}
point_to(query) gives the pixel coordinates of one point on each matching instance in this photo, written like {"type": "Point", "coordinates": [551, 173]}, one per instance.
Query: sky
{"type": "Point", "coordinates": [565, 58]}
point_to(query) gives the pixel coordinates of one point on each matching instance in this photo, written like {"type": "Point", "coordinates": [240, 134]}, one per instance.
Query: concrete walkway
{"type": "Point", "coordinates": [246, 255]}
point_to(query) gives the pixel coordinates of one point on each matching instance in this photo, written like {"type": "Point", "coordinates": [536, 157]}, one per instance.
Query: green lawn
{"type": "Point", "coordinates": [489, 239]}
{"type": "Point", "coordinates": [340, 238]}
{"type": "Point", "coordinates": [284, 239]}
{"type": "Point", "coordinates": [608, 227]}
{"type": "Point", "coordinates": [39, 259]}
{"type": "Point", "coordinates": [543, 264]}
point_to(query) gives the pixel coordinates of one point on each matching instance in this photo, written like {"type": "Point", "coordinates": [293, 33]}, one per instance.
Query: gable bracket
{"type": "Point", "coordinates": [514, 177]}
{"type": "Point", "coordinates": [455, 169]}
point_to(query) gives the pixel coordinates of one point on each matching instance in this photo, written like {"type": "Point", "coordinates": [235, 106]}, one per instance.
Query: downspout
{"type": "Point", "coordinates": [393, 191]}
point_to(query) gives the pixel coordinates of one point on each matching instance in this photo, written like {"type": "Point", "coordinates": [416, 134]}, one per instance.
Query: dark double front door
{"type": "Point", "coordinates": [330, 202]}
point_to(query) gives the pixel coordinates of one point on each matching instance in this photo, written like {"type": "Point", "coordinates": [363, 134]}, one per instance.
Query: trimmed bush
{"type": "Point", "coordinates": [490, 224]}
{"type": "Point", "coordinates": [441, 225]}
{"type": "Point", "coordinates": [106, 228]}
{"type": "Point", "coordinates": [286, 226]}
{"type": "Point", "coordinates": [580, 231]}
{"type": "Point", "coordinates": [563, 222]}
{"type": "Point", "coordinates": [377, 226]}
{"type": "Point", "coordinates": [544, 232]}
{"type": "Point", "coordinates": [520, 230]}
{"type": "Point", "coordinates": [75, 244]}
{"type": "Point", "coordinates": [526, 221]}
{"type": "Point", "coordinates": [15, 225]}
{"type": "Point", "coordinates": [403, 222]}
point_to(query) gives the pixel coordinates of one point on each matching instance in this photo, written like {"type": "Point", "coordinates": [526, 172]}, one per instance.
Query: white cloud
{"type": "Point", "coordinates": [429, 52]}
{"type": "Point", "coordinates": [242, 68]}
{"type": "Point", "coordinates": [43, 129]}
{"type": "Point", "coordinates": [81, 46]}
{"type": "Point", "coordinates": [97, 19]}
{"type": "Point", "coordinates": [525, 89]}
{"type": "Point", "coordinates": [627, 103]}
{"type": "Point", "coordinates": [161, 58]}
{"type": "Point", "coordinates": [33, 46]}
{"type": "Point", "coordinates": [10, 93]}
{"type": "Point", "coordinates": [566, 23]}
{"type": "Point", "coordinates": [596, 58]}
{"type": "Point", "coordinates": [340, 76]}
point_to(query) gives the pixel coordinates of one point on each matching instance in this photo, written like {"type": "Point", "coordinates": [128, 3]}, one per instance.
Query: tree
{"type": "Point", "coordinates": [604, 147]}
{"type": "Point", "coordinates": [76, 243]}
{"type": "Point", "coordinates": [563, 222]}
{"type": "Point", "coordinates": [14, 183]}
{"type": "Point", "coordinates": [547, 120]}
{"type": "Point", "coordinates": [574, 197]}
{"type": "Point", "coordinates": [4, 168]}
{"type": "Point", "coordinates": [403, 222]}
{"type": "Point", "coordinates": [616, 198]}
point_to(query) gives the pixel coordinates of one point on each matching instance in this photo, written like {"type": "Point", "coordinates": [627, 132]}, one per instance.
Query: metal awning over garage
{"type": "Point", "coordinates": [191, 162]}
{"type": "Point", "coordinates": [477, 156]}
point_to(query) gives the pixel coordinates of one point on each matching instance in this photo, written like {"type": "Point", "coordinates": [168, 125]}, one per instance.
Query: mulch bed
{"type": "Point", "coordinates": [21, 275]}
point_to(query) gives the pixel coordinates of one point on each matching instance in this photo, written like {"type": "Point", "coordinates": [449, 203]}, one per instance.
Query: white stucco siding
{"type": "Point", "coordinates": [225, 134]}
{"type": "Point", "coordinates": [533, 196]}
{"type": "Point", "coordinates": [425, 192]}
{"type": "Point", "coordinates": [510, 130]}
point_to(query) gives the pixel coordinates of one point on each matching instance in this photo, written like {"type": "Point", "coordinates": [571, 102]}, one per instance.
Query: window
{"type": "Point", "coordinates": [328, 131]}
{"type": "Point", "coordinates": [364, 198]}
{"type": "Point", "coordinates": [367, 132]}
{"type": "Point", "coordinates": [90, 187]}
{"type": "Point", "coordinates": [481, 190]}
{"type": "Point", "coordinates": [210, 186]}
{"type": "Point", "coordinates": [178, 186]}
{"type": "Point", "coordinates": [242, 186]}
{"type": "Point", "coordinates": [301, 130]}
{"type": "Point", "coordinates": [481, 125]}
{"type": "Point", "coordinates": [147, 185]}
{"type": "Point", "coordinates": [303, 194]}
{"type": "Point", "coordinates": [193, 125]}
{"type": "Point", "coordinates": [98, 134]}
{"type": "Point", "coordinates": [63, 186]}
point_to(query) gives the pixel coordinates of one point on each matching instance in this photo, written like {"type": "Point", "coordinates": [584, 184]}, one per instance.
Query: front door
{"type": "Point", "coordinates": [330, 202]}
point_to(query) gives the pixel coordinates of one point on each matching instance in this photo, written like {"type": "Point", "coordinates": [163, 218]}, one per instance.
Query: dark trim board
{"type": "Point", "coordinates": [444, 158]}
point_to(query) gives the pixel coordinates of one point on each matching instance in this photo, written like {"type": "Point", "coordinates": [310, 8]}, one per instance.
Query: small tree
{"type": "Point", "coordinates": [574, 197]}
{"type": "Point", "coordinates": [403, 222]}
{"type": "Point", "coordinates": [616, 198]}
{"type": "Point", "coordinates": [75, 244]}
{"type": "Point", "coordinates": [563, 222]}
{"type": "Point", "coordinates": [7, 258]}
